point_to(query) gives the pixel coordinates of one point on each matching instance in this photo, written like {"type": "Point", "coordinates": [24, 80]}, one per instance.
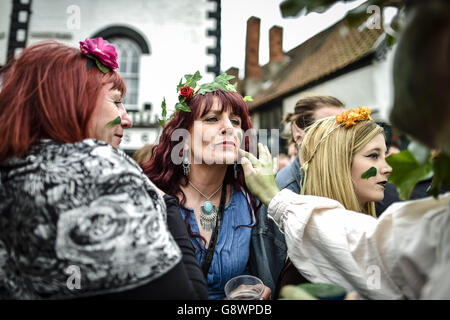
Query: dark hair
{"type": "Point", "coordinates": [49, 93]}
{"type": "Point", "coordinates": [304, 109]}
{"type": "Point", "coordinates": [168, 176]}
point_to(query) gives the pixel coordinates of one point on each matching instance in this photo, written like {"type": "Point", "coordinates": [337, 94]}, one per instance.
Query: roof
{"type": "Point", "coordinates": [325, 53]}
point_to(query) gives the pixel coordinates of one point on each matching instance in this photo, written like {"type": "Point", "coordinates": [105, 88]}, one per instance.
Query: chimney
{"type": "Point", "coordinates": [276, 44]}
{"type": "Point", "coordinates": [253, 72]}
{"type": "Point", "coordinates": [276, 55]}
{"type": "Point", "coordinates": [252, 67]}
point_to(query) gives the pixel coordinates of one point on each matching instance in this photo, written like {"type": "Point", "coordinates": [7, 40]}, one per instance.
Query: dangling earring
{"type": "Point", "coordinates": [235, 171]}
{"type": "Point", "coordinates": [186, 163]}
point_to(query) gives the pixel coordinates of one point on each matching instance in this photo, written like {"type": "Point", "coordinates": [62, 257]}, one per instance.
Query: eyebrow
{"type": "Point", "coordinates": [218, 112]}
{"type": "Point", "coordinates": [376, 149]}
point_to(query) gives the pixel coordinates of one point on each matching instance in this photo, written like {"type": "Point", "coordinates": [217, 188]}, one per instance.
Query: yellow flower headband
{"type": "Point", "coordinates": [351, 116]}
{"type": "Point", "coordinates": [347, 118]}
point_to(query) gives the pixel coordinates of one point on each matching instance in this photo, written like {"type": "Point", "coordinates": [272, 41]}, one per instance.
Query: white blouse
{"type": "Point", "coordinates": [386, 258]}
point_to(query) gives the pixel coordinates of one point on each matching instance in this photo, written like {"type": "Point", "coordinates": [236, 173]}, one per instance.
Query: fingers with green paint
{"type": "Point", "coordinates": [259, 175]}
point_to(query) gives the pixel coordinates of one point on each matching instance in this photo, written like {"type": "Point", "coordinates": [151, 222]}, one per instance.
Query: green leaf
{"type": "Point", "coordinates": [181, 84]}
{"type": "Point", "coordinates": [182, 106]}
{"type": "Point", "coordinates": [191, 80]}
{"type": "Point", "coordinates": [223, 82]}
{"type": "Point", "coordinates": [372, 172]}
{"type": "Point", "coordinates": [231, 87]}
{"type": "Point", "coordinates": [320, 6]}
{"type": "Point", "coordinates": [407, 172]}
{"type": "Point", "coordinates": [195, 78]}
{"type": "Point", "coordinates": [441, 176]}
{"type": "Point", "coordinates": [101, 66]}
{"type": "Point", "coordinates": [163, 107]}
{"type": "Point", "coordinates": [324, 290]}
{"type": "Point", "coordinates": [162, 122]}
{"type": "Point", "coordinates": [207, 87]}
{"type": "Point", "coordinates": [358, 15]}
{"type": "Point", "coordinates": [292, 292]}
{"type": "Point", "coordinates": [291, 8]}
{"type": "Point", "coordinates": [248, 98]}
{"type": "Point", "coordinates": [224, 78]}
{"type": "Point", "coordinates": [390, 40]}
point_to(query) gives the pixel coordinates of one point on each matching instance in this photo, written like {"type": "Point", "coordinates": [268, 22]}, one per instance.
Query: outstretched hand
{"type": "Point", "coordinates": [260, 174]}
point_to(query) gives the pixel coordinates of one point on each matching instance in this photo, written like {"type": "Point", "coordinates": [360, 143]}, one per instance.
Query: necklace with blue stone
{"type": "Point", "coordinates": [208, 213]}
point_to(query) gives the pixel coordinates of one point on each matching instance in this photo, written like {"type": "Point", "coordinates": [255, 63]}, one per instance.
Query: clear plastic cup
{"type": "Point", "coordinates": [244, 287]}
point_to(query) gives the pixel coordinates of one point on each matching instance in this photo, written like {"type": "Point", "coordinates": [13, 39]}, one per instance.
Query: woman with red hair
{"type": "Point", "coordinates": [196, 161]}
{"type": "Point", "coordinates": [78, 217]}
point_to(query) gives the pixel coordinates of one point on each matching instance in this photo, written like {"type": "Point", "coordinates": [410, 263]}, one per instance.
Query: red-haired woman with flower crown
{"type": "Point", "coordinates": [196, 161]}
{"type": "Point", "coordinates": [78, 218]}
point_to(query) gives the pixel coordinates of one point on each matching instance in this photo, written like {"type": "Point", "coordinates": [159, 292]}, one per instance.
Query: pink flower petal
{"type": "Point", "coordinates": [102, 50]}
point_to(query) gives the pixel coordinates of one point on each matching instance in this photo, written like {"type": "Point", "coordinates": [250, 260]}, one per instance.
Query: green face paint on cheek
{"type": "Point", "coordinates": [372, 172]}
{"type": "Point", "coordinates": [115, 122]}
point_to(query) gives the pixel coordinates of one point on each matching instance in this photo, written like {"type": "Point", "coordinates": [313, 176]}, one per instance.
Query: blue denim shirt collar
{"type": "Point", "coordinates": [290, 177]}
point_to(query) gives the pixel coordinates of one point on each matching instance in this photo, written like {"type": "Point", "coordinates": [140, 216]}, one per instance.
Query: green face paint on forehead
{"type": "Point", "coordinates": [115, 122]}
{"type": "Point", "coordinates": [372, 172]}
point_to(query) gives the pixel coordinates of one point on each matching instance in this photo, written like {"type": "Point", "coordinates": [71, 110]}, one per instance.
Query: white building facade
{"type": "Point", "coordinates": [158, 41]}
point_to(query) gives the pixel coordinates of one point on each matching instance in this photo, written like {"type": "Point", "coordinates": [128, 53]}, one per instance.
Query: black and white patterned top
{"type": "Point", "coordinates": [79, 219]}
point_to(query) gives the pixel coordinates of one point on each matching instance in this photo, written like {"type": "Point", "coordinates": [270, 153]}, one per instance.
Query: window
{"type": "Point", "coordinates": [129, 55]}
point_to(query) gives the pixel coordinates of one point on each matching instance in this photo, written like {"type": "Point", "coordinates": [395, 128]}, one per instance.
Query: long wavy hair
{"type": "Point", "coordinates": [48, 92]}
{"type": "Point", "coordinates": [330, 161]}
{"type": "Point", "coordinates": [169, 177]}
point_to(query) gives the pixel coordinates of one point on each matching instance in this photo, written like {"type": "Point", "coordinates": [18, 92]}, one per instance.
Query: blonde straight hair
{"type": "Point", "coordinates": [330, 161]}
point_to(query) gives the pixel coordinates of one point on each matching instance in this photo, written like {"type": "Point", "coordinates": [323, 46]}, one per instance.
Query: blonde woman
{"type": "Point", "coordinates": [328, 238]}
{"type": "Point", "coordinates": [336, 155]}
{"type": "Point", "coordinates": [332, 168]}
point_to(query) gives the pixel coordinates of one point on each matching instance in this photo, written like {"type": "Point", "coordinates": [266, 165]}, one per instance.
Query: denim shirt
{"type": "Point", "coordinates": [268, 247]}
{"type": "Point", "coordinates": [232, 250]}
{"type": "Point", "coordinates": [290, 177]}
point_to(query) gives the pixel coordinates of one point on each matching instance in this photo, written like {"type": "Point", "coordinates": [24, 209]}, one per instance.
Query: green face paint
{"type": "Point", "coordinates": [372, 172]}
{"type": "Point", "coordinates": [115, 122]}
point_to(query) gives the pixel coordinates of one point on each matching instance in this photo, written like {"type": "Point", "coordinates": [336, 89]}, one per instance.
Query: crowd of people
{"type": "Point", "coordinates": [81, 219]}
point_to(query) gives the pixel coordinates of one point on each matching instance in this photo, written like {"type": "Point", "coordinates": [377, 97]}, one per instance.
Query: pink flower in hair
{"type": "Point", "coordinates": [101, 50]}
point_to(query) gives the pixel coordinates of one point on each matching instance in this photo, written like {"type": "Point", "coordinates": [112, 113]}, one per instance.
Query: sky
{"type": "Point", "coordinates": [235, 14]}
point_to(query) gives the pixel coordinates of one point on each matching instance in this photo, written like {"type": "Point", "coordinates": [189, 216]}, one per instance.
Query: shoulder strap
{"type": "Point", "coordinates": [215, 235]}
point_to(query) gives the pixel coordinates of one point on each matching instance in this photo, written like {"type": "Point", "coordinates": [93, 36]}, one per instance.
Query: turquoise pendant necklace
{"type": "Point", "coordinates": [208, 213]}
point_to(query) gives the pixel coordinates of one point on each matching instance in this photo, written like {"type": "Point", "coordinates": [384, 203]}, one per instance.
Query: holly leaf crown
{"type": "Point", "coordinates": [186, 92]}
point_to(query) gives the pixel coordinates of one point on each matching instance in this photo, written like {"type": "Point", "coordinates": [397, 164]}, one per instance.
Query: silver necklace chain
{"type": "Point", "coordinates": [207, 198]}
